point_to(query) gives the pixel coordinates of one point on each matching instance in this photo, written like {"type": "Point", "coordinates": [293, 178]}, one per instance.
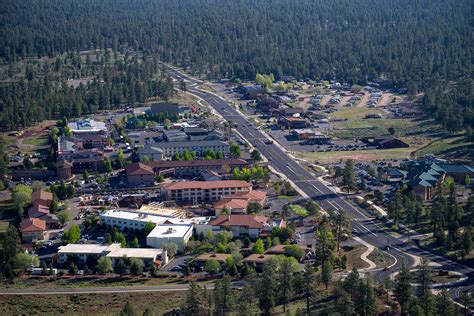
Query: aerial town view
{"type": "Point", "coordinates": [219, 157]}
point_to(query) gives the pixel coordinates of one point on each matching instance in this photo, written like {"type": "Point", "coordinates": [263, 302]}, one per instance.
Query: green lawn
{"type": "Point", "coordinates": [299, 210]}
{"type": "Point", "coordinates": [90, 304]}
{"type": "Point", "coordinates": [92, 281]}
{"type": "Point", "coordinates": [355, 125]}
{"type": "Point", "coordinates": [36, 141]}
{"type": "Point", "coordinates": [3, 225]}
{"type": "Point", "coordinates": [455, 147]}
{"type": "Point", "coordinates": [359, 155]}
{"type": "Point", "coordinates": [288, 197]}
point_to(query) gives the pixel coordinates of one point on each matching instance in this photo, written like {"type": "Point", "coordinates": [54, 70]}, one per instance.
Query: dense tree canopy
{"type": "Point", "coordinates": [417, 44]}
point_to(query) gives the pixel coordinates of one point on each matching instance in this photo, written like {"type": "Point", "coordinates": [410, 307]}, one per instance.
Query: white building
{"type": "Point", "coordinates": [163, 234]}
{"type": "Point", "coordinates": [129, 219]}
{"type": "Point", "coordinates": [113, 251]}
{"type": "Point", "coordinates": [87, 126]}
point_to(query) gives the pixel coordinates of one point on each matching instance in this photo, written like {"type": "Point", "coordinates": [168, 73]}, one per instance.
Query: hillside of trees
{"type": "Point", "coordinates": [42, 91]}
{"type": "Point", "coordinates": [403, 43]}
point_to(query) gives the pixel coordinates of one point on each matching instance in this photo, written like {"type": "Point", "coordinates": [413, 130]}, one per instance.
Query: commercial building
{"type": "Point", "coordinates": [94, 134]}
{"type": "Point", "coordinates": [164, 107]}
{"type": "Point", "coordinates": [114, 251]}
{"type": "Point", "coordinates": [64, 169]}
{"type": "Point", "coordinates": [42, 212]}
{"type": "Point", "coordinates": [140, 174]}
{"type": "Point", "coordinates": [385, 142]}
{"type": "Point", "coordinates": [202, 191]}
{"type": "Point", "coordinates": [171, 148]}
{"type": "Point", "coordinates": [174, 135]}
{"type": "Point", "coordinates": [32, 229]}
{"type": "Point", "coordinates": [151, 151]}
{"type": "Point", "coordinates": [241, 225]}
{"type": "Point", "coordinates": [163, 234]}
{"type": "Point", "coordinates": [293, 122]}
{"type": "Point", "coordinates": [310, 136]}
{"type": "Point", "coordinates": [72, 149]}
{"type": "Point", "coordinates": [126, 220]}
{"type": "Point", "coordinates": [137, 219]}
{"type": "Point", "coordinates": [238, 203]}
{"type": "Point", "coordinates": [205, 257]}
{"type": "Point", "coordinates": [423, 176]}
{"type": "Point", "coordinates": [195, 168]}
{"type": "Point", "coordinates": [41, 197]}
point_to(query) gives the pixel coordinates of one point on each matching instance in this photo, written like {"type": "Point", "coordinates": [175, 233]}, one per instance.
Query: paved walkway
{"type": "Point", "coordinates": [365, 255]}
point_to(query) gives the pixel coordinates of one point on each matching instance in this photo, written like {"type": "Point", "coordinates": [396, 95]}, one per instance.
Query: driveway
{"type": "Point", "coordinates": [174, 262]}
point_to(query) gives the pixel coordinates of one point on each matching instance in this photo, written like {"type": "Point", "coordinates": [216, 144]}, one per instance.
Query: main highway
{"type": "Point", "coordinates": [365, 227]}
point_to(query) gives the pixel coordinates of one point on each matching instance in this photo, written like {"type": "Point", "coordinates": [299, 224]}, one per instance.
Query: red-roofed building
{"type": "Point", "coordinates": [32, 229]}
{"type": "Point", "coordinates": [195, 168]}
{"type": "Point", "coordinates": [140, 174]}
{"type": "Point", "coordinates": [240, 225]}
{"type": "Point", "coordinates": [41, 197]}
{"type": "Point", "coordinates": [233, 205]}
{"type": "Point", "coordinates": [238, 202]}
{"type": "Point", "coordinates": [38, 210]}
{"type": "Point", "coordinates": [202, 191]}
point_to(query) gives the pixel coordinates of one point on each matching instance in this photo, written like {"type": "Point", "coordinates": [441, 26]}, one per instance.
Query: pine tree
{"type": "Point", "coordinates": [223, 296]}
{"type": "Point", "coordinates": [348, 177]}
{"type": "Point", "coordinates": [424, 277]}
{"type": "Point", "coordinates": [194, 301]}
{"type": "Point", "coordinates": [403, 290]}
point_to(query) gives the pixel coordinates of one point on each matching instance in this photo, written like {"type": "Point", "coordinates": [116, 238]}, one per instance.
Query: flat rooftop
{"type": "Point", "coordinates": [201, 220]}
{"type": "Point", "coordinates": [87, 125]}
{"type": "Point", "coordinates": [170, 231]}
{"type": "Point", "coordinates": [133, 215]}
{"type": "Point", "coordinates": [87, 248]}
{"type": "Point", "coordinates": [146, 253]}
{"type": "Point", "coordinates": [221, 257]}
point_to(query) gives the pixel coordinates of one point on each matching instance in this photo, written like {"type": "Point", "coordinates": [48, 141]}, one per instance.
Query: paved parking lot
{"type": "Point", "coordinates": [292, 144]}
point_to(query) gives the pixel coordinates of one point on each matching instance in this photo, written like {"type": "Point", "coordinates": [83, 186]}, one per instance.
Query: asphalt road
{"type": "Point", "coordinates": [365, 227]}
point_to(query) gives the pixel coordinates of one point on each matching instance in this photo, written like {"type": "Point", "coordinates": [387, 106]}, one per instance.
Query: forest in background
{"type": "Point", "coordinates": [423, 44]}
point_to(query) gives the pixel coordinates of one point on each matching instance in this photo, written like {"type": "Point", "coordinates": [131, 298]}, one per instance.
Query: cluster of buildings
{"type": "Point", "coordinates": [81, 253]}
{"type": "Point", "coordinates": [84, 150]}
{"type": "Point", "coordinates": [38, 218]}
{"type": "Point", "coordinates": [144, 174]}
{"type": "Point", "coordinates": [172, 225]}
{"type": "Point", "coordinates": [425, 175]}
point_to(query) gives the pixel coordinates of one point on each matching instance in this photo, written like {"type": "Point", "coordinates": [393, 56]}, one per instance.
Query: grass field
{"type": "Point", "coordinates": [89, 304]}
{"type": "Point", "coordinates": [423, 135]}
{"type": "Point", "coordinates": [39, 141]}
{"type": "Point", "coordinates": [353, 254]}
{"type": "Point", "coordinates": [92, 281]}
{"type": "Point", "coordinates": [185, 98]}
{"type": "Point", "coordinates": [455, 147]}
{"type": "Point", "coordinates": [299, 210]}
{"type": "Point", "coordinates": [381, 259]}
{"type": "Point", "coordinates": [3, 225]}
{"type": "Point", "coordinates": [358, 155]}
{"type": "Point", "coordinates": [8, 215]}
{"type": "Point", "coordinates": [436, 278]}
{"type": "Point", "coordinates": [354, 124]}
